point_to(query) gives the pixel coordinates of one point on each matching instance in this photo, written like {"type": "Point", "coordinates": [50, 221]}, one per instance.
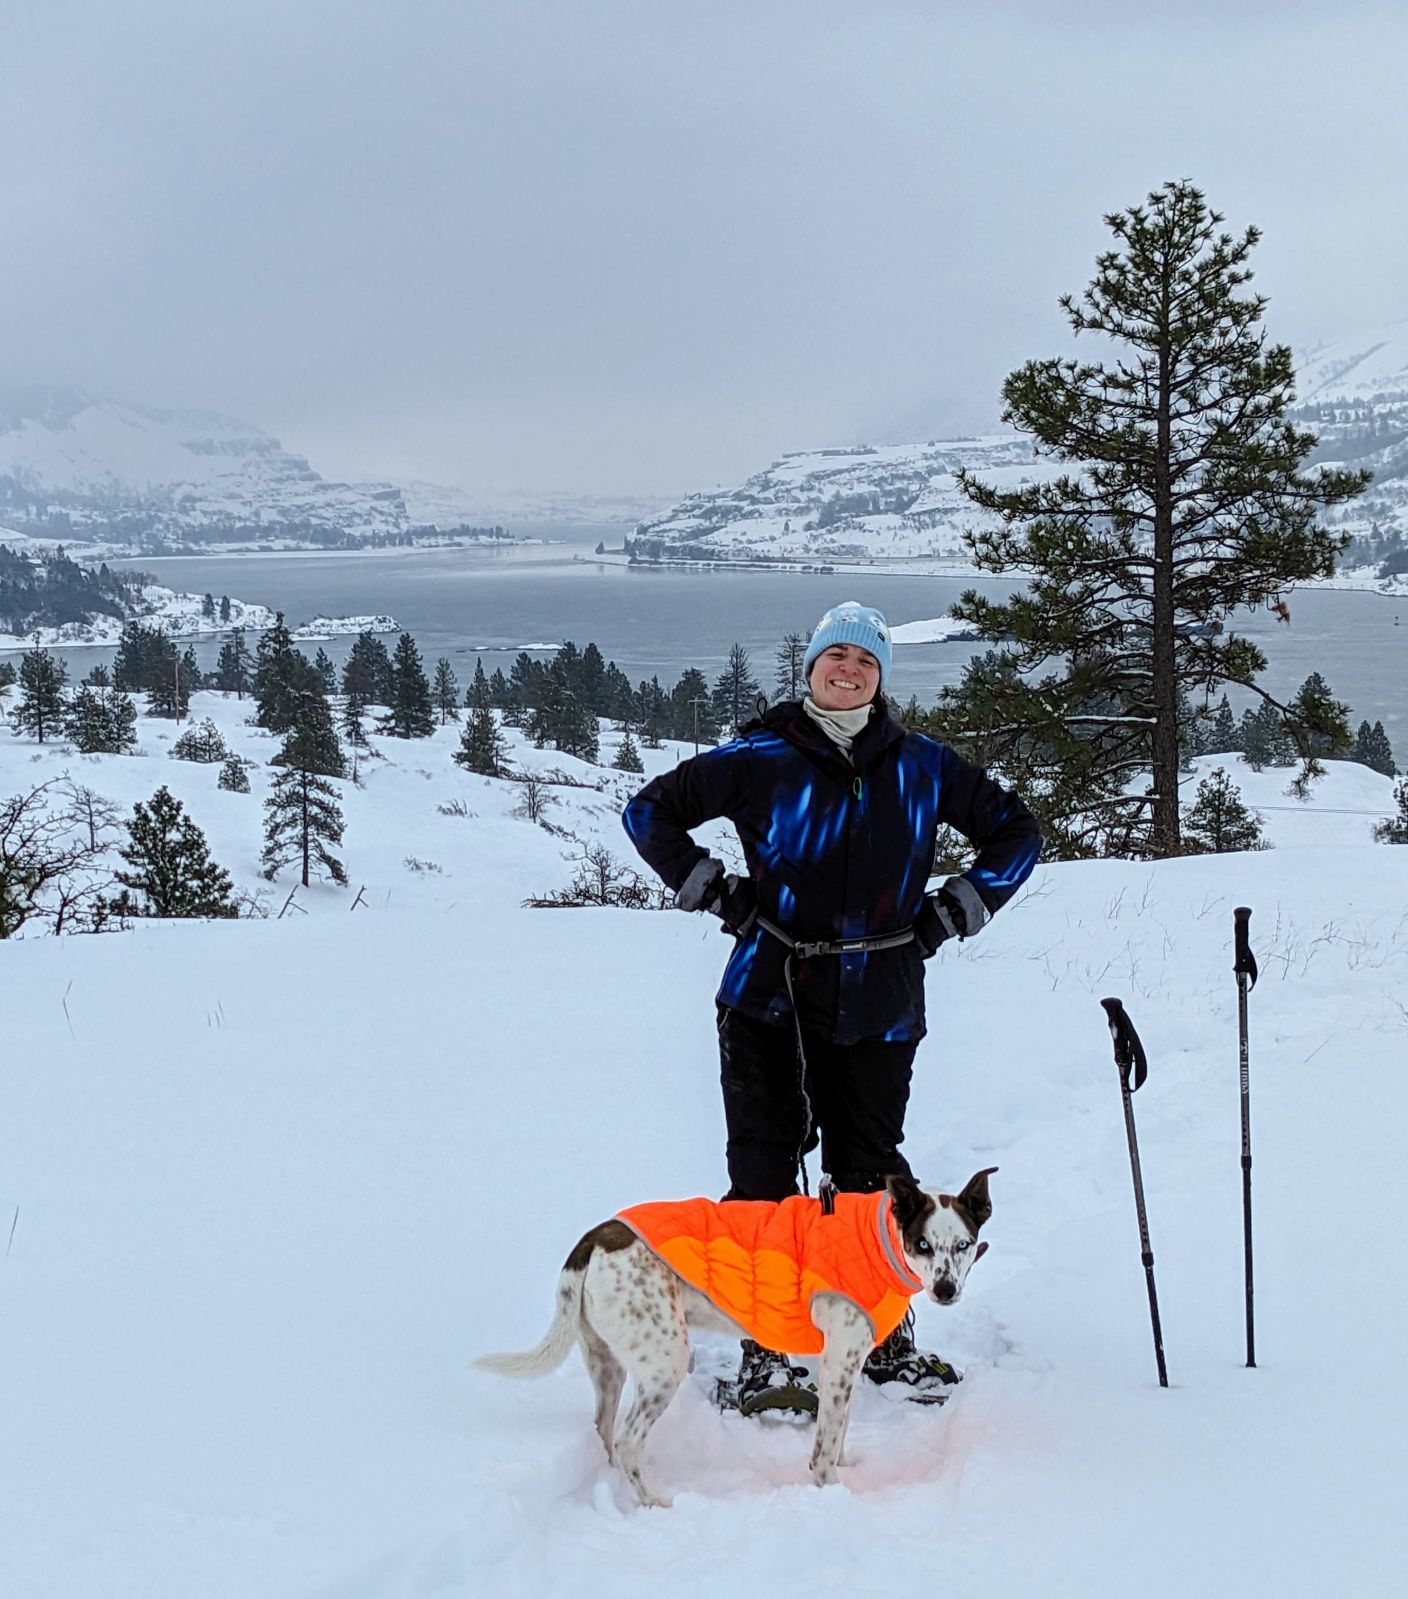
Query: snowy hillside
{"type": "Point", "coordinates": [268, 1185]}
{"type": "Point", "coordinates": [125, 477]}
{"type": "Point", "coordinates": [898, 505]}
{"type": "Point", "coordinates": [1355, 394]}
{"type": "Point", "coordinates": [102, 459]}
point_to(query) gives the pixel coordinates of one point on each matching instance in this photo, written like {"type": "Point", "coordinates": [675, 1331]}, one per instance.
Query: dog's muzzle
{"type": "Point", "coordinates": [945, 1291]}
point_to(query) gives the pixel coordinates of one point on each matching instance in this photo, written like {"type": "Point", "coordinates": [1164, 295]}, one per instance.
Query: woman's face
{"type": "Point", "coordinates": [844, 677]}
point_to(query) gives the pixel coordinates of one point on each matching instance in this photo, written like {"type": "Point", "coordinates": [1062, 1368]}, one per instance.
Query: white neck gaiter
{"type": "Point", "coordinates": [841, 727]}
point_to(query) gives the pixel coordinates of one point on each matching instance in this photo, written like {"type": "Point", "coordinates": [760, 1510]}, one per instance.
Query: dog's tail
{"type": "Point", "coordinates": [557, 1340]}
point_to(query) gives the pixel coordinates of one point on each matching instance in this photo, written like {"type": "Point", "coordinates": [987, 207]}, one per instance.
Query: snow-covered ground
{"type": "Point", "coordinates": [935, 630]}
{"type": "Point", "coordinates": [180, 614]}
{"type": "Point", "coordinates": [268, 1185]}
{"type": "Point", "coordinates": [345, 626]}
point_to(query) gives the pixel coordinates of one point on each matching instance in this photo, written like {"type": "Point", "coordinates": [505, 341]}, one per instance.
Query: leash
{"type": "Point", "coordinates": [796, 950]}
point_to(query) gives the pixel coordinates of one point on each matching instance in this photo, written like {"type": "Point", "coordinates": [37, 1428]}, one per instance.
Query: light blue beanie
{"type": "Point", "coordinates": [851, 623]}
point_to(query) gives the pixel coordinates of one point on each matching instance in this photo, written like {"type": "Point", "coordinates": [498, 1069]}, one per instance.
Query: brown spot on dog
{"type": "Point", "coordinates": [912, 1208]}
{"type": "Point", "coordinates": [608, 1237]}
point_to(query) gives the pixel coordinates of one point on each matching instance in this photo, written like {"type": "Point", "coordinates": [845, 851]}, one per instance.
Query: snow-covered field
{"type": "Point", "coordinates": [268, 1185]}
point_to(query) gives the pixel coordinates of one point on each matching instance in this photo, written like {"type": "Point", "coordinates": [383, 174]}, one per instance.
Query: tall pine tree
{"type": "Point", "coordinates": [410, 709]}
{"type": "Point", "coordinates": [303, 820]}
{"type": "Point", "coordinates": [736, 691]}
{"type": "Point", "coordinates": [1372, 749]}
{"type": "Point", "coordinates": [40, 710]}
{"type": "Point", "coordinates": [446, 692]}
{"type": "Point", "coordinates": [1183, 502]}
{"type": "Point", "coordinates": [234, 666]}
{"type": "Point", "coordinates": [483, 748]}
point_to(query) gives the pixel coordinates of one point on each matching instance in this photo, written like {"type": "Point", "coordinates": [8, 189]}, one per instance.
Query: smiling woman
{"type": "Point", "coordinates": [821, 1008]}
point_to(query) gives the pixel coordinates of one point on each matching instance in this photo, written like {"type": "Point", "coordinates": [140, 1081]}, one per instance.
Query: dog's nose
{"type": "Point", "coordinates": [945, 1292]}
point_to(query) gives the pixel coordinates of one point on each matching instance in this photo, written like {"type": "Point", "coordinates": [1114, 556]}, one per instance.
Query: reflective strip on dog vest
{"type": "Point", "coordinates": [763, 1262]}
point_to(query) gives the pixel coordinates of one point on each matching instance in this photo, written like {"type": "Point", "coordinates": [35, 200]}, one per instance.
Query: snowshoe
{"type": "Point", "coordinates": [927, 1379]}
{"type": "Point", "coordinates": [767, 1382]}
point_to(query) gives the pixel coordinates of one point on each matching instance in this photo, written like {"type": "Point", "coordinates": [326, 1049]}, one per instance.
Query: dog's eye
{"type": "Point", "coordinates": [923, 1247]}
{"type": "Point", "coordinates": [963, 1247]}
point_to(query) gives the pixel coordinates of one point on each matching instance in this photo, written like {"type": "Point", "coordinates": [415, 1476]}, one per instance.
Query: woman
{"type": "Point", "coordinates": [838, 809]}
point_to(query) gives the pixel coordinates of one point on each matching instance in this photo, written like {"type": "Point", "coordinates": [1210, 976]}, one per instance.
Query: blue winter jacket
{"type": "Point", "coordinates": [837, 849]}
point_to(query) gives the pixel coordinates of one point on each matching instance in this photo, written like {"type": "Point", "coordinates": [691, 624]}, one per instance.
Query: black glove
{"type": "Point", "coordinates": [955, 911]}
{"type": "Point", "coordinates": [940, 918]}
{"type": "Point", "coordinates": [736, 904]}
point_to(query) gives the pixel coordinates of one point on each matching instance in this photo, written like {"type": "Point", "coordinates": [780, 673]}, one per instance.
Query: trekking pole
{"type": "Point", "coordinates": [1245, 968]}
{"type": "Point", "coordinates": [1129, 1056]}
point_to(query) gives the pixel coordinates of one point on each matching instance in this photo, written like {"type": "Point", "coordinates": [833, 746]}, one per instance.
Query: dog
{"type": "Point", "coordinates": [633, 1286]}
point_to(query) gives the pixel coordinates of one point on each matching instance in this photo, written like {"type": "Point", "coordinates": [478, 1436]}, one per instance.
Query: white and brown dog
{"type": "Point", "coordinates": [631, 1311]}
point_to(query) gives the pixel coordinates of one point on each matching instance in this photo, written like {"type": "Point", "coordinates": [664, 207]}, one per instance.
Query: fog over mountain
{"type": "Point", "coordinates": [624, 249]}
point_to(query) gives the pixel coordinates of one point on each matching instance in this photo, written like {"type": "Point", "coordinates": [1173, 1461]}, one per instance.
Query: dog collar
{"type": "Point", "coordinates": [890, 1246]}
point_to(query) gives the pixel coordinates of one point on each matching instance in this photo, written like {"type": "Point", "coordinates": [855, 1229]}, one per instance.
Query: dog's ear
{"type": "Point", "coordinates": [973, 1203]}
{"type": "Point", "coordinates": [908, 1200]}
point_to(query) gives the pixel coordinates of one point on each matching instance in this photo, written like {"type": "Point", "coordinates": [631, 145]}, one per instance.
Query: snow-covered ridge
{"type": "Point", "coordinates": [882, 505]}
{"type": "Point", "coordinates": [139, 476]}
{"type": "Point", "coordinates": [898, 508]}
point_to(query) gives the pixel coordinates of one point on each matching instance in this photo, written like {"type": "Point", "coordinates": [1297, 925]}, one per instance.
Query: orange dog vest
{"type": "Point", "coordinates": [761, 1262]}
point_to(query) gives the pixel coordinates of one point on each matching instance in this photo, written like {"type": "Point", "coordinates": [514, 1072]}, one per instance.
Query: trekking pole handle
{"type": "Point", "coordinates": [1245, 964]}
{"type": "Point", "coordinates": [1129, 1052]}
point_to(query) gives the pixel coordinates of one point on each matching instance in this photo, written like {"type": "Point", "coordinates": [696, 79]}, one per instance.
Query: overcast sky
{"type": "Point", "coordinates": [646, 247]}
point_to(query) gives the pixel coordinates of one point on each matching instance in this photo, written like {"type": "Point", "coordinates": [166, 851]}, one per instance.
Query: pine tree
{"type": "Point", "coordinates": [224, 607]}
{"type": "Point", "coordinates": [410, 710]}
{"type": "Point", "coordinates": [101, 721]}
{"type": "Point", "coordinates": [736, 691]}
{"type": "Point", "coordinates": [282, 675]}
{"type": "Point", "coordinates": [560, 718]}
{"type": "Point", "coordinates": [1223, 739]}
{"type": "Point", "coordinates": [652, 713]}
{"type": "Point", "coordinates": [366, 673]}
{"type": "Point", "coordinates": [1263, 738]}
{"type": "Point", "coordinates": [302, 820]}
{"type": "Point", "coordinates": [692, 708]}
{"type": "Point", "coordinates": [327, 672]}
{"type": "Point", "coordinates": [170, 872]}
{"type": "Point", "coordinates": [1183, 503]}
{"type": "Point", "coordinates": [1372, 749]}
{"type": "Point", "coordinates": [311, 744]}
{"type": "Point", "coordinates": [628, 756]}
{"type": "Point", "coordinates": [446, 693]}
{"type": "Point", "coordinates": [1394, 829]}
{"type": "Point", "coordinates": [526, 680]}
{"type": "Point", "coordinates": [207, 607]}
{"type": "Point", "coordinates": [41, 705]}
{"type": "Point", "coordinates": [592, 684]}
{"type": "Point", "coordinates": [98, 677]}
{"type": "Point", "coordinates": [202, 743]}
{"type": "Point", "coordinates": [234, 667]}
{"type": "Point", "coordinates": [790, 680]}
{"type": "Point", "coordinates": [1217, 822]}
{"type": "Point", "coordinates": [1325, 720]}
{"type": "Point", "coordinates": [233, 776]}
{"type": "Point", "coordinates": [167, 681]}
{"type": "Point", "coordinates": [483, 748]}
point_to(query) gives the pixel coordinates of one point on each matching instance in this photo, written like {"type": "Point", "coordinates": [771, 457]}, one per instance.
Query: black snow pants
{"type": "Point", "coordinates": [858, 1096]}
